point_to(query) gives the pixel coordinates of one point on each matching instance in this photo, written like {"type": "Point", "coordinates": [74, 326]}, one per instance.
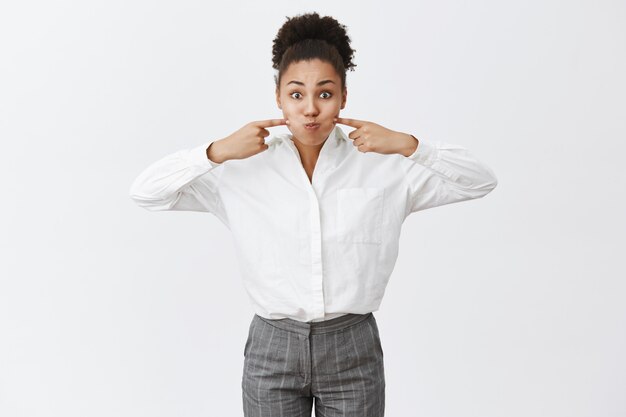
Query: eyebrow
{"type": "Point", "coordinates": [319, 83]}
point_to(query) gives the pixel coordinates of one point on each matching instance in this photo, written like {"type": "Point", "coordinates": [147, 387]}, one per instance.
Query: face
{"type": "Point", "coordinates": [310, 92]}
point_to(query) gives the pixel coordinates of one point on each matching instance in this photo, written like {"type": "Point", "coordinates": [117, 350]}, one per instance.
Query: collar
{"type": "Point", "coordinates": [333, 150]}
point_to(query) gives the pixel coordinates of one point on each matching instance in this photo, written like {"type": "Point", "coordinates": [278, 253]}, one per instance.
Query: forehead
{"type": "Point", "coordinates": [309, 72]}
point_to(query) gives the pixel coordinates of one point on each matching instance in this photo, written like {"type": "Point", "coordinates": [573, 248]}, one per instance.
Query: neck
{"type": "Point", "coordinates": [308, 153]}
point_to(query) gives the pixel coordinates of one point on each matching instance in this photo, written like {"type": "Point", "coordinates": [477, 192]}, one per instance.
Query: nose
{"type": "Point", "coordinates": [310, 108]}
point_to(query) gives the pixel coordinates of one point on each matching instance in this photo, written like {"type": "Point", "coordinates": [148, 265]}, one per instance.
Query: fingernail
{"type": "Point", "coordinates": [287, 121]}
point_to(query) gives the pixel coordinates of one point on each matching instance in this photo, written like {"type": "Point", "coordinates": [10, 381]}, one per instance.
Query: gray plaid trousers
{"type": "Point", "coordinates": [336, 364]}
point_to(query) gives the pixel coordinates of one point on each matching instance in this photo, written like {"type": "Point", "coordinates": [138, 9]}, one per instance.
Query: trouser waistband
{"type": "Point", "coordinates": [317, 327]}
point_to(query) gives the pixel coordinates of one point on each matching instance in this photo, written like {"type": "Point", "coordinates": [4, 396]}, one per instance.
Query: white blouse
{"type": "Point", "coordinates": [312, 251]}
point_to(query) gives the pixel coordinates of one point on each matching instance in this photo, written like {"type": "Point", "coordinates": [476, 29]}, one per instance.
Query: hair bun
{"type": "Point", "coordinates": [310, 26]}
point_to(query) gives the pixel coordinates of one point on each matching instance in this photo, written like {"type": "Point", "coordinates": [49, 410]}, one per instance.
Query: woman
{"type": "Point", "coordinates": [316, 217]}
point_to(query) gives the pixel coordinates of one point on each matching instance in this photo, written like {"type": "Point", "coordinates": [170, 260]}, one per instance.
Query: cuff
{"type": "Point", "coordinates": [425, 154]}
{"type": "Point", "coordinates": [199, 157]}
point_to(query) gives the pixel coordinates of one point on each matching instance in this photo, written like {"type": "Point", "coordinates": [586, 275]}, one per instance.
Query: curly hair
{"type": "Point", "coordinates": [308, 36]}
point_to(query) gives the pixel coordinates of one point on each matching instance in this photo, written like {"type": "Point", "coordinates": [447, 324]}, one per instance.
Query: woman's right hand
{"type": "Point", "coordinates": [245, 142]}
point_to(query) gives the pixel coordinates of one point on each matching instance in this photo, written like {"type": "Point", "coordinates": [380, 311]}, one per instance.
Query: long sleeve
{"type": "Point", "coordinates": [444, 173]}
{"type": "Point", "coordinates": [186, 180]}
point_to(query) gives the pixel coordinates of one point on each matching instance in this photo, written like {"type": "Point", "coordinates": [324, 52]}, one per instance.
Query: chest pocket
{"type": "Point", "coordinates": [360, 214]}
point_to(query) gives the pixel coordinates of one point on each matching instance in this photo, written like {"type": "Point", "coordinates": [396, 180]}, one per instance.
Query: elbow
{"type": "Point", "coordinates": [146, 200]}
{"type": "Point", "coordinates": [481, 185]}
{"type": "Point", "coordinates": [150, 205]}
{"type": "Point", "coordinates": [494, 183]}
{"type": "Point", "coordinates": [135, 194]}
{"type": "Point", "coordinates": [490, 183]}
{"type": "Point", "coordinates": [493, 180]}
{"type": "Point", "coordinates": [141, 201]}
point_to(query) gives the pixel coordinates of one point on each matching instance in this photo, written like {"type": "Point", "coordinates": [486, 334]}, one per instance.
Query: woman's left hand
{"type": "Point", "coordinates": [372, 137]}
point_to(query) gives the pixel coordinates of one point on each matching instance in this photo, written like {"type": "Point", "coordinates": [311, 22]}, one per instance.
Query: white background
{"type": "Point", "coordinates": [506, 306]}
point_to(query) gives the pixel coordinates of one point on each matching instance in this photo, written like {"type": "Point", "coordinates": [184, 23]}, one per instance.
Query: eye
{"type": "Point", "coordinates": [293, 94]}
{"type": "Point", "coordinates": [329, 94]}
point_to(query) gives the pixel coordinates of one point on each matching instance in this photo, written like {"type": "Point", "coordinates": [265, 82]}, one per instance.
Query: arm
{"type": "Point", "coordinates": [443, 173]}
{"type": "Point", "coordinates": [437, 173]}
{"type": "Point", "coordinates": [185, 180]}
{"type": "Point", "coordinates": [180, 181]}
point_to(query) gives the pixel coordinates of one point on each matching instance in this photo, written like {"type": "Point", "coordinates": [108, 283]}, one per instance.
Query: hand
{"type": "Point", "coordinates": [371, 137]}
{"type": "Point", "coordinates": [245, 142]}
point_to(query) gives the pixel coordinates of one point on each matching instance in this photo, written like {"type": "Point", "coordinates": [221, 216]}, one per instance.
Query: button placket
{"type": "Point", "coordinates": [315, 228]}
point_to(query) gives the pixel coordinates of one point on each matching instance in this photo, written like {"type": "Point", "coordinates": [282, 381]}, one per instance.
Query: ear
{"type": "Point", "coordinates": [278, 99]}
{"type": "Point", "coordinates": [344, 98]}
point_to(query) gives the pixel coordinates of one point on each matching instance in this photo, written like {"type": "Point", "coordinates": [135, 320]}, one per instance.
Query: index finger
{"type": "Point", "coordinates": [270, 122]}
{"type": "Point", "coordinates": [350, 122]}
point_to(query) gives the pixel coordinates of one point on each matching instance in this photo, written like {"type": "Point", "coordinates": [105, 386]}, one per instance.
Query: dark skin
{"type": "Point", "coordinates": [311, 91]}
